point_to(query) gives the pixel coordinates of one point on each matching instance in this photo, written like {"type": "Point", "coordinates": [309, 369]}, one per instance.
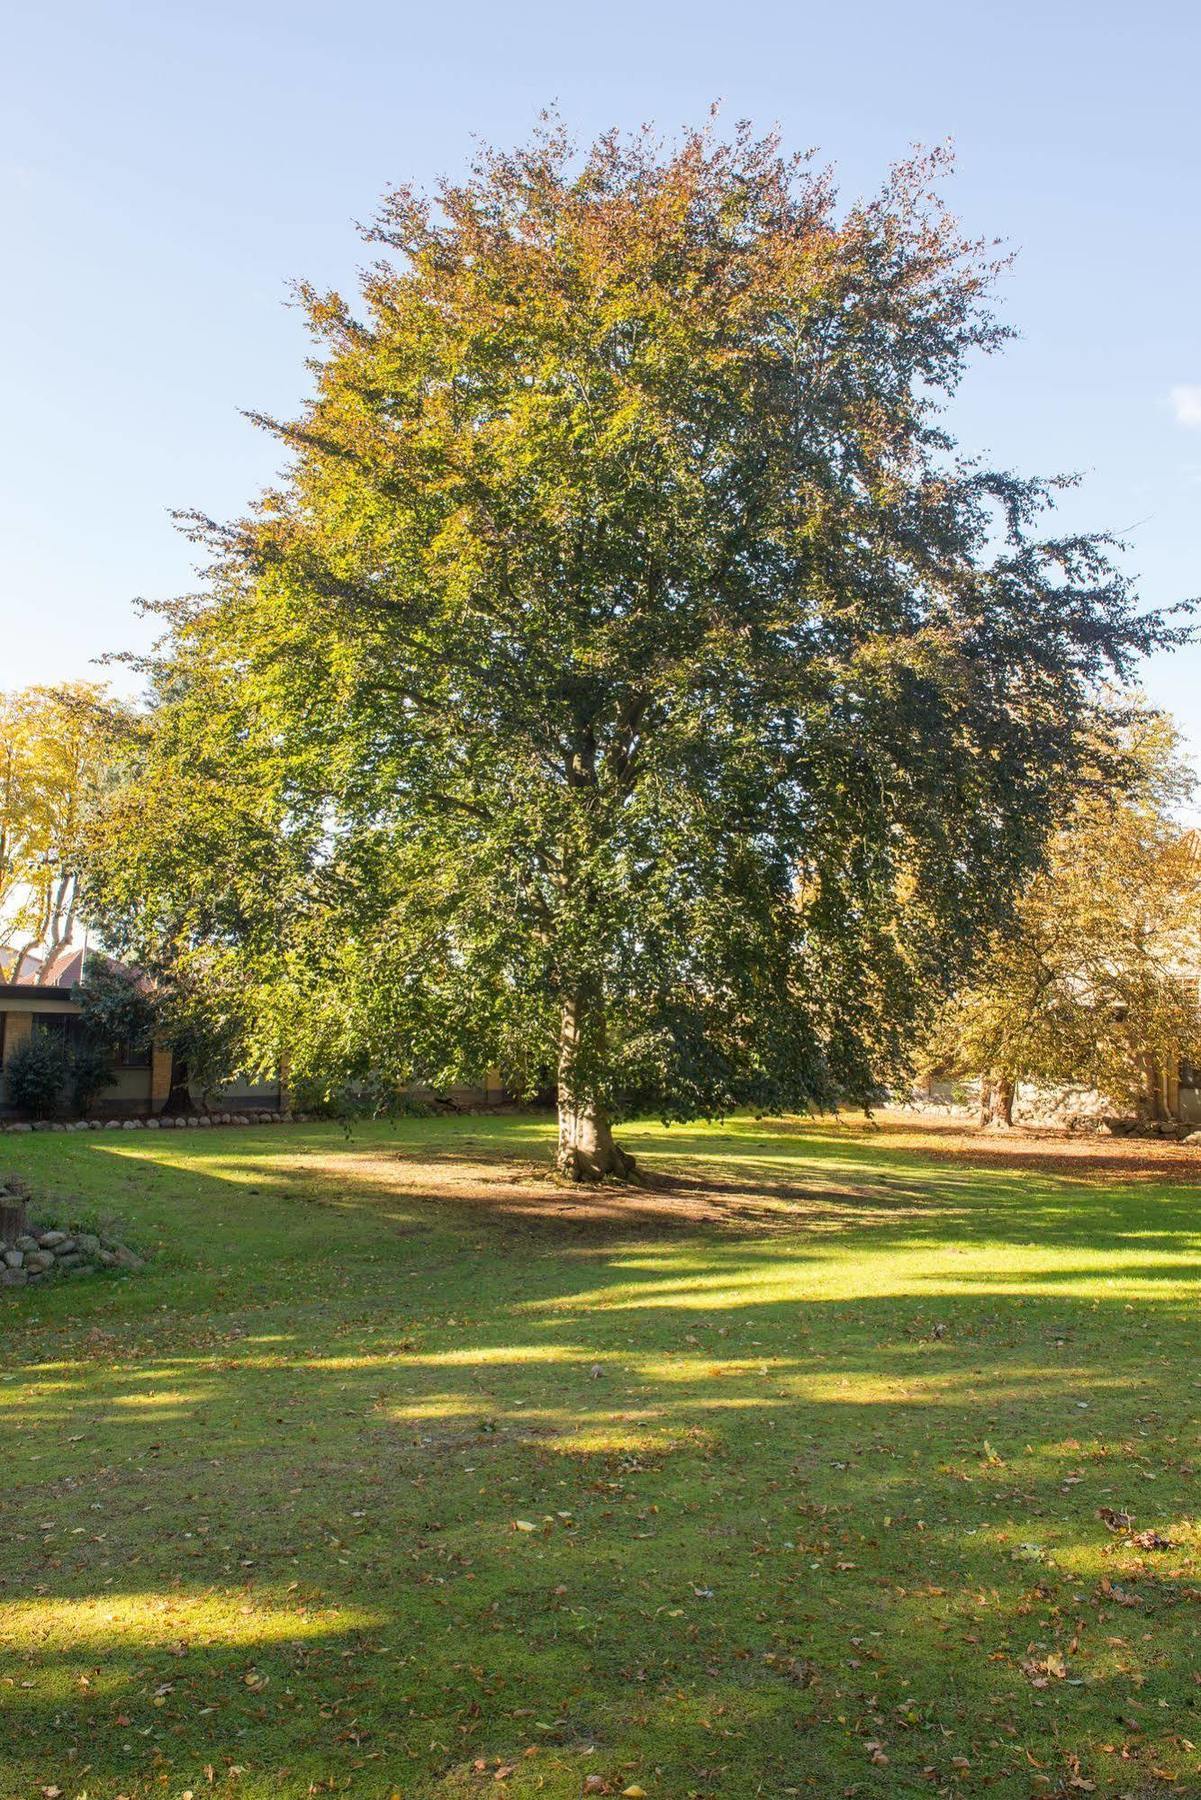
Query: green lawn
{"type": "Point", "coordinates": [395, 1472]}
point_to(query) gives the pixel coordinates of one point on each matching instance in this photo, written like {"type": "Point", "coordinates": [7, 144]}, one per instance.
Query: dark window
{"type": "Point", "coordinates": [62, 1026]}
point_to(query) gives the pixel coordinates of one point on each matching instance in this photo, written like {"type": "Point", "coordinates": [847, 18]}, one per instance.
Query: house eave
{"type": "Point", "coordinates": [28, 990]}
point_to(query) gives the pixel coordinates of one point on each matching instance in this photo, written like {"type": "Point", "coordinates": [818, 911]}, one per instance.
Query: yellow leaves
{"type": "Point", "coordinates": [52, 748]}
{"type": "Point", "coordinates": [1039, 1670]}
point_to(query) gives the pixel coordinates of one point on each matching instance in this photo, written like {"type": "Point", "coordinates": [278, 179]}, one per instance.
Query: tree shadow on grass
{"type": "Point", "coordinates": [787, 1500]}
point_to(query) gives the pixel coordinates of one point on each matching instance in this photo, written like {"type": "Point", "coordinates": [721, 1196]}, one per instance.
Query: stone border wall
{"type": "Point", "coordinates": [35, 1255]}
{"type": "Point", "coordinates": [193, 1122]}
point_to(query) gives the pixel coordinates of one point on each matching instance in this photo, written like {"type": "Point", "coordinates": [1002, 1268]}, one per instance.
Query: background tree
{"type": "Point", "coordinates": [55, 745]}
{"type": "Point", "coordinates": [628, 678]}
{"type": "Point", "coordinates": [1094, 980]}
{"type": "Point", "coordinates": [186, 1007]}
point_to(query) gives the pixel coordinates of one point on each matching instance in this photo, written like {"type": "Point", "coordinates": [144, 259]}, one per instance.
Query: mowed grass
{"type": "Point", "coordinates": [403, 1472]}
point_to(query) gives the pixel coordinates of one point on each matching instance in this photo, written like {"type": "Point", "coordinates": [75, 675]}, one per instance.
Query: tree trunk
{"type": "Point", "coordinates": [14, 1205]}
{"type": "Point", "coordinates": [996, 1099]}
{"type": "Point", "coordinates": [179, 1101]}
{"type": "Point", "coordinates": [1153, 1103]}
{"type": "Point", "coordinates": [14, 1217]}
{"type": "Point", "coordinates": [587, 1151]}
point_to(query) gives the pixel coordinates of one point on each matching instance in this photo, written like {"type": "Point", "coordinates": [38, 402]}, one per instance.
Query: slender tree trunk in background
{"type": "Point", "coordinates": [996, 1099]}
{"type": "Point", "coordinates": [587, 1151]}
{"type": "Point", "coordinates": [1156, 1111]}
{"type": "Point", "coordinates": [179, 1100]}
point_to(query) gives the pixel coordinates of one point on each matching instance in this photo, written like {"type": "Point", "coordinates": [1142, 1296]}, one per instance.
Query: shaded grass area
{"type": "Point", "coordinates": [403, 1470]}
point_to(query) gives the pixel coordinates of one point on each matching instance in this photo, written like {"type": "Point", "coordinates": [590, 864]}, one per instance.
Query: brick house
{"type": "Point", "coordinates": [37, 994]}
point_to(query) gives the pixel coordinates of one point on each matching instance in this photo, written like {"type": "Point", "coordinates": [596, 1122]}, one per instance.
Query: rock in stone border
{"type": "Point", "coordinates": [195, 1121]}
{"type": "Point", "coordinates": [38, 1254]}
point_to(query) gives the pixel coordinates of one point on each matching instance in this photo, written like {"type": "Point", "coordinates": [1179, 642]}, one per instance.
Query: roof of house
{"type": "Point", "coordinates": [62, 968]}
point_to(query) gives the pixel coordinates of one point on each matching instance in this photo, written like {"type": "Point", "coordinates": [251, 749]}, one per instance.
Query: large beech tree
{"type": "Point", "coordinates": [628, 683]}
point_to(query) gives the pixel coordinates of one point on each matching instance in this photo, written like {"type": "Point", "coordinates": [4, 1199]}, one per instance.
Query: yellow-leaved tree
{"type": "Point", "coordinates": [1095, 980]}
{"type": "Point", "coordinates": [54, 751]}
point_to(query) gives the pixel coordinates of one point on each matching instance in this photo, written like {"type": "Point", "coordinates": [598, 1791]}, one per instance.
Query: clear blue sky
{"type": "Point", "coordinates": [166, 167]}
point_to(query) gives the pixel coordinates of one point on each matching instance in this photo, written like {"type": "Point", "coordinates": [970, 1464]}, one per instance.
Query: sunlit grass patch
{"type": "Point", "coordinates": [152, 1620]}
{"type": "Point", "coordinates": [402, 1472]}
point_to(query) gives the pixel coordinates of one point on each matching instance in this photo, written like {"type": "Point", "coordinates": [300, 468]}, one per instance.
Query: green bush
{"type": "Point", "coordinates": [89, 1068]}
{"type": "Point", "coordinates": [369, 1097]}
{"type": "Point", "coordinates": [36, 1075]}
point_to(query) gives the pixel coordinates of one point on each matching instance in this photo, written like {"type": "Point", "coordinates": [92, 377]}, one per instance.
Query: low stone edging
{"type": "Point", "coordinates": [32, 1252]}
{"type": "Point", "coordinates": [36, 1255]}
{"type": "Point", "coordinates": [193, 1121]}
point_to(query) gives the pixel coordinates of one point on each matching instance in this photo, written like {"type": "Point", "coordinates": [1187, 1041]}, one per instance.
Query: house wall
{"type": "Point", "coordinates": [135, 1093]}
{"type": "Point", "coordinates": [17, 1013]}
{"type": "Point", "coordinates": [129, 1093]}
{"type": "Point", "coordinates": [241, 1095]}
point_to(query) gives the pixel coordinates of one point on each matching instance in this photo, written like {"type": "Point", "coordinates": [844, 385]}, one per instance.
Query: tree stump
{"type": "Point", "coordinates": [14, 1208]}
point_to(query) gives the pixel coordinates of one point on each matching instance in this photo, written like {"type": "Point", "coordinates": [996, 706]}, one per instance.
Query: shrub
{"type": "Point", "coordinates": [36, 1075]}
{"type": "Point", "coordinates": [89, 1068]}
{"type": "Point", "coordinates": [368, 1097]}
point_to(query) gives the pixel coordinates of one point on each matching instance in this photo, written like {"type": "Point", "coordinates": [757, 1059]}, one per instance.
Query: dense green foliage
{"type": "Point", "coordinates": [115, 1007]}
{"type": "Point", "coordinates": [89, 1068]}
{"type": "Point", "coordinates": [202, 1024]}
{"type": "Point", "coordinates": [35, 1076]}
{"type": "Point", "coordinates": [811, 1485]}
{"type": "Point", "coordinates": [630, 682]}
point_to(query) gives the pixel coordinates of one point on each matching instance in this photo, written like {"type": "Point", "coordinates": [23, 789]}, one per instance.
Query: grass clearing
{"type": "Point", "coordinates": [402, 1468]}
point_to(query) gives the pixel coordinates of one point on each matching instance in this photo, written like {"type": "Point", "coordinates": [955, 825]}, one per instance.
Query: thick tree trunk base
{"type": "Point", "coordinates": [579, 1165]}
{"type": "Point", "coordinates": [587, 1151]}
{"type": "Point", "coordinates": [586, 1148]}
{"type": "Point", "coordinates": [996, 1102]}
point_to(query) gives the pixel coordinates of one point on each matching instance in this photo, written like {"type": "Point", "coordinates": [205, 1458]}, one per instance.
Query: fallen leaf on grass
{"type": "Point", "coordinates": [1150, 1540]}
{"type": "Point", "coordinates": [1117, 1594]}
{"type": "Point", "coordinates": [1038, 1670]}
